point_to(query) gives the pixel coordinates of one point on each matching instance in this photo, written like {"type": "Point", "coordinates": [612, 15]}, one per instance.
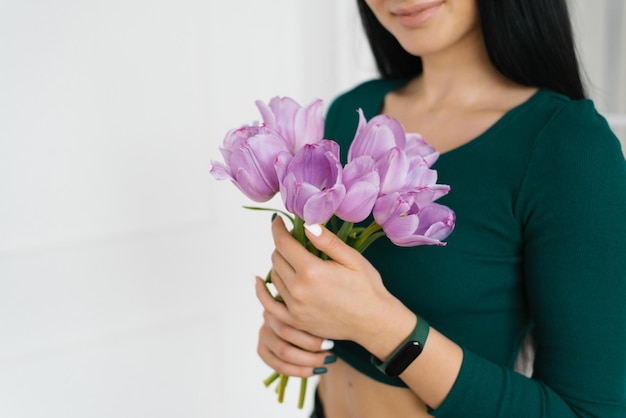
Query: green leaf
{"type": "Point", "coordinates": [286, 214]}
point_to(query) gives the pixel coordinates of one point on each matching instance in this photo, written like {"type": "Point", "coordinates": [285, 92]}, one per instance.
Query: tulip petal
{"type": "Point", "coordinates": [421, 176]}
{"type": "Point", "coordinates": [417, 146]}
{"type": "Point", "coordinates": [249, 153]}
{"type": "Point", "coordinates": [220, 171]}
{"type": "Point", "coordinates": [297, 125]}
{"type": "Point", "coordinates": [280, 164]}
{"type": "Point", "coordinates": [376, 137]}
{"type": "Point", "coordinates": [309, 124]}
{"type": "Point", "coordinates": [357, 168]}
{"type": "Point", "coordinates": [439, 190]}
{"type": "Point", "coordinates": [394, 171]}
{"type": "Point", "coordinates": [406, 224]}
{"type": "Point", "coordinates": [394, 126]}
{"type": "Point", "coordinates": [257, 155]}
{"type": "Point", "coordinates": [285, 110]}
{"type": "Point", "coordinates": [250, 185]}
{"type": "Point", "coordinates": [311, 184]}
{"type": "Point", "coordinates": [266, 113]}
{"type": "Point", "coordinates": [295, 194]}
{"type": "Point", "coordinates": [319, 208]}
{"type": "Point", "coordinates": [358, 202]}
{"type": "Point", "coordinates": [387, 205]}
{"type": "Point", "coordinates": [415, 240]}
{"type": "Point", "coordinates": [317, 164]}
{"type": "Point", "coordinates": [437, 221]}
{"type": "Point", "coordinates": [399, 228]}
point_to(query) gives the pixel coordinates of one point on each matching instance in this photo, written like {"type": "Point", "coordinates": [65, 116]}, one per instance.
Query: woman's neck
{"type": "Point", "coordinates": [459, 76]}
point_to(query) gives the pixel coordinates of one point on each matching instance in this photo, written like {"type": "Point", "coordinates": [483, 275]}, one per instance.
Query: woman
{"type": "Point", "coordinates": [539, 188]}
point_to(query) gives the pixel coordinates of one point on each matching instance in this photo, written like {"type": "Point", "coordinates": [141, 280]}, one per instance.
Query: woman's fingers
{"type": "Point", "coordinates": [278, 319]}
{"type": "Point", "coordinates": [283, 347]}
{"type": "Point", "coordinates": [280, 269]}
{"type": "Point", "coordinates": [271, 305]}
{"type": "Point", "coordinates": [288, 247]}
{"type": "Point", "coordinates": [289, 359]}
{"type": "Point", "coordinates": [333, 247]}
{"type": "Point", "coordinates": [294, 336]}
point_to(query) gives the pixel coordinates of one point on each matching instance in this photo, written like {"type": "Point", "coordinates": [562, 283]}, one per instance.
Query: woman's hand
{"type": "Point", "coordinates": [286, 349]}
{"type": "Point", "coordinates": [341, 298]}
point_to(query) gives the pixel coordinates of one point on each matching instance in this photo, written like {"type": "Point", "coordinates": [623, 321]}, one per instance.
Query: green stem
{"type": "Point", "coordinates": [369, 241]}
{"type": "Point", "coordinates": [271, 378]}
{"type": "Point", "coordinates": [357, 231]}
{"type": "Point", "coordinates": [345, 230]}
{"type": "Point", "coordinates": [298, 230]}
{"type": "Point", "coordinates": [303, 382]}
{"type": "Point", "coordinates": [281, 387]}
{"type": "Point", "coordinates": [365, 235]}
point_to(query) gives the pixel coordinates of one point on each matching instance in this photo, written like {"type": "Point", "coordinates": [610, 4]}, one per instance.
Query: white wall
{"type": "Point", "coordinates": [126, 271]}
{"type": "Point", "coordinates": [600, 28]}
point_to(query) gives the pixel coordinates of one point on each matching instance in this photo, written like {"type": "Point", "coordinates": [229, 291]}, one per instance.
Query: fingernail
{"type": "Point", "coordinates": [320, 370]}
{"type": "Point", "coordinates": [330, 359]}
{"type": "Point", "coordinates": [274, 216]}
{"type": "Point", "coordinates": [327, 345]}
{"type": "Point", "coordinates": [314, 229]}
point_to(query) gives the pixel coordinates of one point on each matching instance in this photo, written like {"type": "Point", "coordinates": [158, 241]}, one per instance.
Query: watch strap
{"type": "Point", "coordinates": [406, 352]}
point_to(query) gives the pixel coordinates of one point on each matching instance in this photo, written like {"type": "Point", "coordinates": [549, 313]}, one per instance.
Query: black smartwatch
{"type": "Point", "coordinates": [406, 352]}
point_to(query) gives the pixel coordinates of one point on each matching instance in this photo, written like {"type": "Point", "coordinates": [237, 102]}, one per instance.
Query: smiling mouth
{"type": "Point", "coordinates": [417, 9]}
{"type": "Point", "coordinates": [418, 15]}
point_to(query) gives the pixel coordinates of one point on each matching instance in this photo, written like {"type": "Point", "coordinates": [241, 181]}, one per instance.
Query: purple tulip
{"type": "Point", "coordinates": [249, 154]}
{"type": "Point", "coordinates": [362, 183]}
{"type": "Point", "coordinates": [383, 133]}
{"type": "Point", "coordinates": [398, 173]}
{"type": "Point", "coordinates": [407, 224]}
{"type": "Point", "coordinates": [376, 137]}
{"type": "Point", "coordinates": [417, 148]}
{"type": "Point", "coordinates": [297, 124]}
{"type": "Point", "coordinates": [310, 183]}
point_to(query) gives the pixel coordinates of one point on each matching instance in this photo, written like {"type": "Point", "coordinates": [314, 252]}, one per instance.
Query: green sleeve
{"type": "Point", "coordinates": [571, 206]}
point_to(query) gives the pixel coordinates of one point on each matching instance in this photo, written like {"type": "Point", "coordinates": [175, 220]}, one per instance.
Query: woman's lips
{"type": "Point", "coordinates": [418, 15]}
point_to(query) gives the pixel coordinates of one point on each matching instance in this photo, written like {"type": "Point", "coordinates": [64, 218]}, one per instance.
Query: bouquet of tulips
{"type": "Point", "coordinates": [387, 175]}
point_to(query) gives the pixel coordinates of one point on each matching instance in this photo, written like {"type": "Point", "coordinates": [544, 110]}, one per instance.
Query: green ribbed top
{"type": "Point", "coordinates": [540, 241]}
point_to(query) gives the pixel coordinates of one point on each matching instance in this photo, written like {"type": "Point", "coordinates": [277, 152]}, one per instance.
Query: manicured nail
{"type": "Point", "coordinates": [330, 359]}
{"type": "Point", "coordinates": [274, 216]}
{"type": "Point", "coordinates": [327, 345]}
{"type": "Point", "coordinates": [320, 370]}
{"type": "Point", "coordinates": [314, 229]}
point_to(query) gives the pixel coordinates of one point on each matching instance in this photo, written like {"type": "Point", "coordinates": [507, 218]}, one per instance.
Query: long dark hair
{"type": "Point", "coordinates": [528, 41]}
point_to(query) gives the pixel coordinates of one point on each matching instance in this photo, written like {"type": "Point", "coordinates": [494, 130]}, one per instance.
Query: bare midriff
{"type": "Point", "coordinates": [347, 393]}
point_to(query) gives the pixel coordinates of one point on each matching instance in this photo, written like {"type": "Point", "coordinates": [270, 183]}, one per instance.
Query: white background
{"type": "Point", "coordinates": [126, 271]}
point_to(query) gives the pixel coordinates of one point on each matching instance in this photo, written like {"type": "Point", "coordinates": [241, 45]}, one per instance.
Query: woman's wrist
{"type": "Point", "coordinates": [387, 328]}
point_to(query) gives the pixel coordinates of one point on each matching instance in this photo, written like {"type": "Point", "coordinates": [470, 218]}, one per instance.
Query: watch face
{"type": "Point", "coordinates": [401, 361]}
